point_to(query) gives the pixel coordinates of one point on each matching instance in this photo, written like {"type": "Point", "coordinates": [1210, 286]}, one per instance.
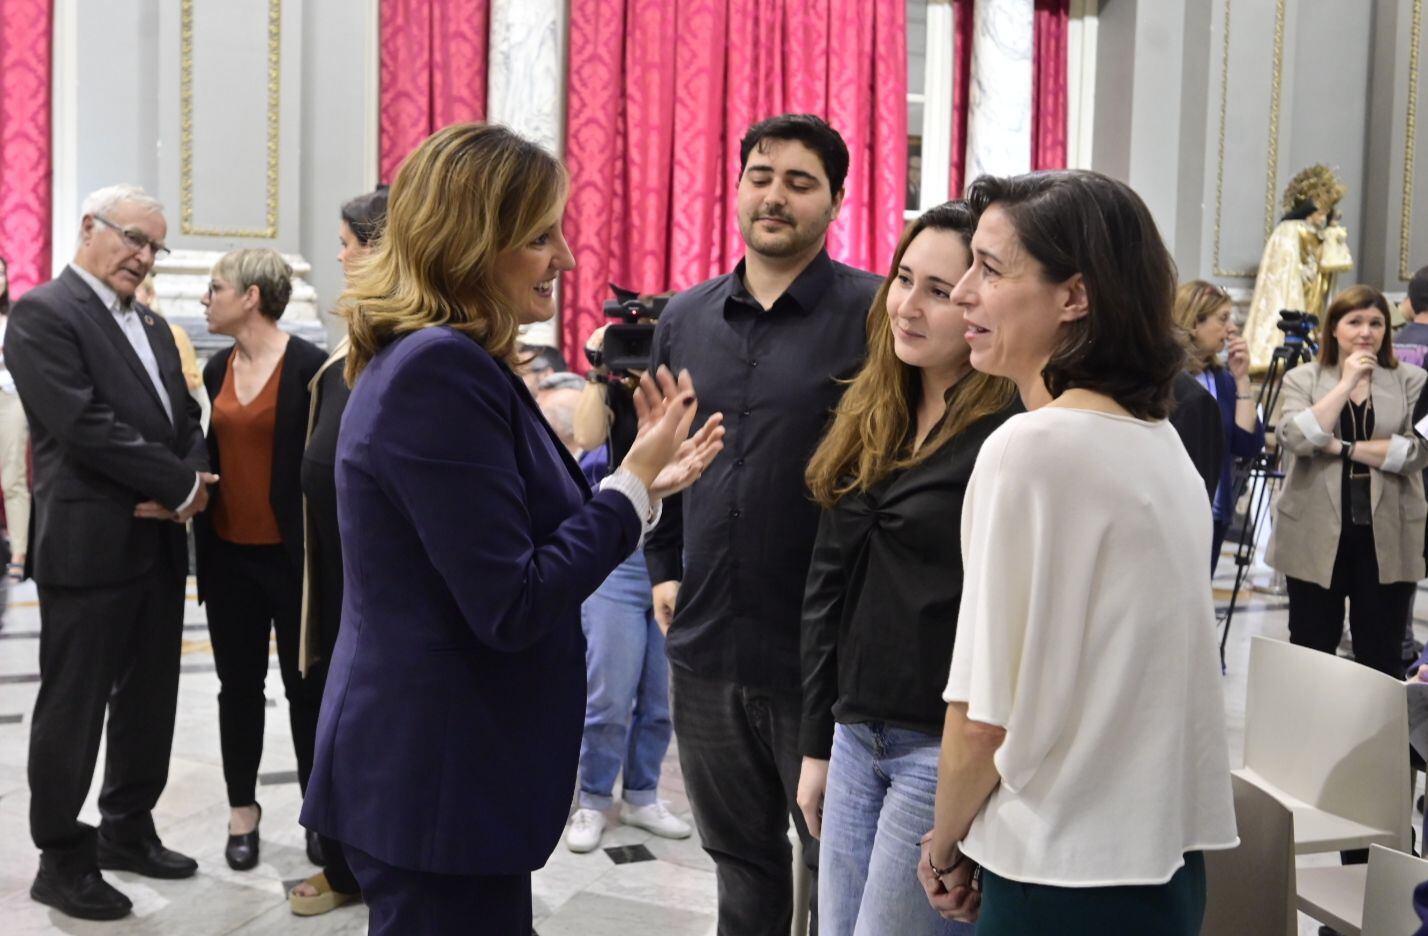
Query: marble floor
{"type": "Point", "coordinates": [636, 884]}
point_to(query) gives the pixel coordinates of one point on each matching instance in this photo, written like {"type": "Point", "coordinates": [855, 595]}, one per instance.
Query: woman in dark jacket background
{"type": "Point", "coordinates": [362, 220]}
{"type": "Point", "coordinates": [249, 542]}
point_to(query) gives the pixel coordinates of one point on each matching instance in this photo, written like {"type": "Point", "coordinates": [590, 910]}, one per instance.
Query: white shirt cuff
{"type": "Point", "coordinates": [191, 494]}
{"type": "Point", "coordinates": [1399, 448]}
{"type": "Point", "coordinates": [626, 483]}
{"type": "Point", "coordinates": [1314, 432]}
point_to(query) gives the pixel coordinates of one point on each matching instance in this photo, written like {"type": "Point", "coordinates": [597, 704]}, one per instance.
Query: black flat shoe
{"type": "Point", "coordinates": [148, 857]}
{"type": "Point", "coordinates": [314, 850]}
{"type": "Point", "coordinates": [242, 850]}
{"type": "Point", "coordinates": [85, 896]}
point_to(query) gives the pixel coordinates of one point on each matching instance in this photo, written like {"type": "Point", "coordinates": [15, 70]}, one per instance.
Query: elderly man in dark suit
{"type": "Point", "coordinates": [119, 465]}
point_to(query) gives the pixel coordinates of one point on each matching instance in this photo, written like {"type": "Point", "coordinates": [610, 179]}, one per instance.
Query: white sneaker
{"type": "Point", "coordinates": [583, 833]}
{"type": "Point", "coordinates": [655, 818]}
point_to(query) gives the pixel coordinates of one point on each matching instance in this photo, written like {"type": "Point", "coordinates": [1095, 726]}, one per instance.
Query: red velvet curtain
{"type": "Point", "coordinates": [25, 29]}
{"type": "Point", "coordinates": [433, 71]}
{"type": "Point", "coordinates": [961, 87]}
{"type": "Point", "coordinates": [660, 92]}
{"type": "Point", "coordinates": [1048, 62]}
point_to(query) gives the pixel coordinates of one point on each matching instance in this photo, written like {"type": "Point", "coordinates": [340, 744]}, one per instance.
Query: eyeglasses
{"type": "Point", "coordinates": [135, 239]}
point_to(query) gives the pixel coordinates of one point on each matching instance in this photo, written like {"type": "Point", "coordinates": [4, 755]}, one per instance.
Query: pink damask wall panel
{"type": "Point", "coordinates": [25, 173]}
{"type": "Point", "coordinates": [433, 71]}
{"type": "Point", "coordinates": [1049, 104]}
{"type": "Point", "coordinates": [661, 91]}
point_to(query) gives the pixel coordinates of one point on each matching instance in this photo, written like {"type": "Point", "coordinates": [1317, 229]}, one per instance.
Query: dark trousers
{"type": "Point", "coordinates": [402, 902]}
{"type": "Point", "coordinates": [738, 750]}
{"type": "Point", "coordinates": [1376, 611]}
{"type": "Point", "coordinates": [1217, 542]}
{"type": "Point", "coordinates": [1175, 908]}
{"type": "Point", "coordinates": [324, 551]}
{"type": "Point", "coordinates": [115, 646]}
{"type": "Point", "coordinates": [250, 592]}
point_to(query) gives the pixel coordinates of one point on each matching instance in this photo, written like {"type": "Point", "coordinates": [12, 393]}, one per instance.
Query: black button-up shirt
{"type": "Point", "coordinates": [740, 538]}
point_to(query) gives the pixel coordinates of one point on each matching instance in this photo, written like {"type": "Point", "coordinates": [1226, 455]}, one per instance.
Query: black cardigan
{"type": "Point", "coordinates": [300, 363]}
{"type": "Point", "coordinates": [884, 585]}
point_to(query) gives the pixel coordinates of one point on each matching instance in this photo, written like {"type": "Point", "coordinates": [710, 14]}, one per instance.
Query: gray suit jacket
{"type": "Point", "coordinates": [1308, 514]}
{"type": "Point", "coordinates": [102, 441]}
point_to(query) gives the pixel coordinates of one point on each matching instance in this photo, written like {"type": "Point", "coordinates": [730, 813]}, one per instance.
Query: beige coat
{"type": "Point", "coordinates": [310, 637]}
{"type": "Point", "coordinates": [1308, 513]}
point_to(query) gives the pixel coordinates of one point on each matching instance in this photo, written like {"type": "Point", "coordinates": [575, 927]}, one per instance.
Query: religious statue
{"type": "Point", "coordinates": [1304, 255]}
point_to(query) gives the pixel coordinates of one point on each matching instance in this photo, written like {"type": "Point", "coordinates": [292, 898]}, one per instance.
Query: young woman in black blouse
{"type": "Point", "coordinates": [880, 608]}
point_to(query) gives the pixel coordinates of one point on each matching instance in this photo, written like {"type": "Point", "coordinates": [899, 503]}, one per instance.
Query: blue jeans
{"type": "Point", "coordinates": [882, 782]}
{"type": "Point", "coordinates": [627, 702]}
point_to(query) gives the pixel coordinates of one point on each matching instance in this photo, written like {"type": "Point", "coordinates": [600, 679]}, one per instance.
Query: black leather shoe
{"type": "Point", "coordinates": [86, 895]}
{"type": "Point", "coordinates": [242, 850]}
{"type": "Point", "coordinates": [148, 857]}
{"type": "Point", "coordinates": [314, 850]}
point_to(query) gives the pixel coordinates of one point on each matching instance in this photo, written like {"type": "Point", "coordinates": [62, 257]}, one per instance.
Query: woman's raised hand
{"type": "Point", "coordinates": [663, 455]}
{"type": "Point", "coordinates": [1359, 367]}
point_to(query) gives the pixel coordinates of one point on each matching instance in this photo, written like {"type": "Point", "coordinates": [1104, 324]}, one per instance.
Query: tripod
{"type": "Point", "coordinates": [1264, 472]}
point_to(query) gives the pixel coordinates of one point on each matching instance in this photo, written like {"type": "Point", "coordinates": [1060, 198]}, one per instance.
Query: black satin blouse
{"type": "Point", "coordinates": [880, 606]}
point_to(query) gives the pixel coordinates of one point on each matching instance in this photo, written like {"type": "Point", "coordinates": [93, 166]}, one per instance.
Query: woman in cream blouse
{"type": "Point", "coordinates": [1084, 764]}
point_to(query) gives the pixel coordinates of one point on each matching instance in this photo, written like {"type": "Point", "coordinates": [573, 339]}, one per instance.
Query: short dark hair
{"type": "Point", "coordinates": [1352, 300]}
{"type": "Point", "coordinates": [1075, 221]}
{"type": "Point", "coordinates": [5, 293]}
{"type": "Point", "coordinates": [1418, 291]}
{"type": "Point", "coordinates": [808, 129]}
{"type": "Point", "coordinates": [366, 214]}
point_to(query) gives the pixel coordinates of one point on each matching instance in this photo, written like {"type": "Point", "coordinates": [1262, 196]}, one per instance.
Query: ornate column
{"type": "Point", "coordinates": [999, 105]}
{"type": "Point", "coordinates": [526, 86]}
{"type": "Point", "coordinates": [230, 123]}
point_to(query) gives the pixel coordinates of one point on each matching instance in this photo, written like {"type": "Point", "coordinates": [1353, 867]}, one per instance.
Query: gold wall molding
{"type": "Point", "coordinates": [1410, 132]}
{"type": "Point", "coordinates": [1271, 169]}
{"type": "Point", "coordinates": [270, 232]}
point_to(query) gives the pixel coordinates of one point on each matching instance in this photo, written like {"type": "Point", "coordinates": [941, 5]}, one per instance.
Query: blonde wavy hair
{"type": "Point", "coordinates": [868, 439]}
{"type": "Point", "coordinates": [466, 195]}
{"type": "Point", "coordinates": [1196, 301]}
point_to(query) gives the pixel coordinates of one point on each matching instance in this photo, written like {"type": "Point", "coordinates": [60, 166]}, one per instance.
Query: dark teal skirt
{"type": "Point", "coordinates": [1175, 908]}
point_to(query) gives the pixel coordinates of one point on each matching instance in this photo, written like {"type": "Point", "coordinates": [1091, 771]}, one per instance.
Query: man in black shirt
{"type": "Point", "coordinates": [767, 345]}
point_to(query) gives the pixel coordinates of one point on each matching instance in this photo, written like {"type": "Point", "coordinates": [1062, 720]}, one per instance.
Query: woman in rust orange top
{"type": "Point", "coordinates": [249, 542]}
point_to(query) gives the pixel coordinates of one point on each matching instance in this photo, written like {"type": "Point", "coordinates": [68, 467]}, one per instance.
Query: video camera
{"type": "Point", "coordinates": [1298, 327]}
{"type": "Point", "coordinates": [630, 336]}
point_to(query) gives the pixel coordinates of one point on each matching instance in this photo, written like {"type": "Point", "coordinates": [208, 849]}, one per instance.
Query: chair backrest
{"type": "Point", "coordinates": [1388, 895]}
{"type": "Point", "coordinates": [1250, 888]}
{"type": "Point", "coordinates": [1330, 732]}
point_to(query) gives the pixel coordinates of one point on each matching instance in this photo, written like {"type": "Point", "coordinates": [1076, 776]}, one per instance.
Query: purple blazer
{"type": "Point", "coordinates": [451, 722]}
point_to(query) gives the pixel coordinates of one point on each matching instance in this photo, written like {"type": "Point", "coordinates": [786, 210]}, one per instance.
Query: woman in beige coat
{"type": "Point", "coordinates": [1349, 522]}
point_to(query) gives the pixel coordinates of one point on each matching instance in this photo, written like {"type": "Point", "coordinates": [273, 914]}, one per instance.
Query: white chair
{"type": "Point", "coordinates": [1250, 889]}
{"type": "Point", "coordinates": [1328, 738]}
{"type": "Point", "coordinates": [1365, 900]}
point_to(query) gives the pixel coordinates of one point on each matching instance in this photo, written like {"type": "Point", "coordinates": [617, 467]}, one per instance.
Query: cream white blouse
{"type": "Point", "coordinates": [1087, 631]}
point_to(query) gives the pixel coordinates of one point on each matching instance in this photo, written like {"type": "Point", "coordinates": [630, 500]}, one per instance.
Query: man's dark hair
{"type": "Point", "coordinates": [1076, 221]}
{"type": "Point", "coordinates": [813, 132]}
{"type": "Point", "coordinates": [1418, 291]}
{"type": "Point", "coordinates": [366, 214]}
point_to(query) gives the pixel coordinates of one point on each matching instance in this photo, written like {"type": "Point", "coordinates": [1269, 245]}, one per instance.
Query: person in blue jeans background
{"type": "Point", "coordinates": [880, 607]}
{"type": "Point", "coordinates": [627, 720]}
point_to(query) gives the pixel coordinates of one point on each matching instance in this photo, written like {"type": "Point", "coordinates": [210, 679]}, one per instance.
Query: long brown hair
{"type": "Point", "coordinates": [464, 196]}
{"type": "Point", "coordinates": [868, 438]}
{"type": "Point", "coordinates": [1352, 300]}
